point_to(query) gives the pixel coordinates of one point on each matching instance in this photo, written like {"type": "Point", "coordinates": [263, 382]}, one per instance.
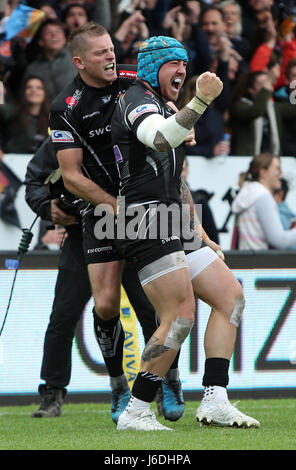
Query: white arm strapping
{"type": "Point", "coordinates": [173, 133]}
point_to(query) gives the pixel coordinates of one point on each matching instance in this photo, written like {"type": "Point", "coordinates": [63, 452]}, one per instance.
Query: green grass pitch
{"type": "Point", "coordinates": [89, 427]}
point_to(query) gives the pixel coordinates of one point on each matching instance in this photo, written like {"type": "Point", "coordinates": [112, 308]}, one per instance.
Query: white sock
{"type": "Point", "coordinates": [215, 392]}
{"type": "Point", "coordinates": [137, 404]}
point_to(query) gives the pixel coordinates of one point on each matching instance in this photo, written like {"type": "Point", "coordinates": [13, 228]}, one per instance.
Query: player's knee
{"type": "Point", "coordinates": [106, 307]}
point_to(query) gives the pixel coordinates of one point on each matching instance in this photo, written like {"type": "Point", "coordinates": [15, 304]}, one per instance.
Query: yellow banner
{"type": "Point", "coordinates": [131, 350]}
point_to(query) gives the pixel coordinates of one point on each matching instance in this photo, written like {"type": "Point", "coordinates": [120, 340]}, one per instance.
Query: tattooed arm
{"type": "Point", "coordinates": [187, 200]}
{"type": "Point", "coordinates": [163, 134]}
{"type": "Point", "coordinates": [195, 224]}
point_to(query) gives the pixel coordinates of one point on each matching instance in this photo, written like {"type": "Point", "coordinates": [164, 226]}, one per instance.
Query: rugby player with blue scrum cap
{"type": "Point", "coordinates": [148, 140]}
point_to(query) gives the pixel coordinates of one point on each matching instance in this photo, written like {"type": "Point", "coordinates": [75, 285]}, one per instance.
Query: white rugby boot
{"type": "Point", "coordinates": [139, 418]}
{"type": "Point", "coordinates": [216, 409]}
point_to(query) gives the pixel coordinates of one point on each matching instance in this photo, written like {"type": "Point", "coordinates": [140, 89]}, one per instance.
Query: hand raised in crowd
{"type": "Point", "coordinates": [194, 11]}
{"type": "Point", "coordinates": [178, 27]}
{"type": "Point", "coordinates": [175, 20]}
{"type": "Point", "coordinates": [170, 17]}
{"type": "Point", "coordinates": [128, 25]}
{"type": "Point", "coordinates": [224, 47]}
{"type": "Point", "coordinates": [59, 216]}
{"type": "Point", "coordinates": [270, 30]}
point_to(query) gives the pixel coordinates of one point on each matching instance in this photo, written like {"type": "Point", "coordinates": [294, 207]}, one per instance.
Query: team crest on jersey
{"type": "Point", "coordinates": [61, 136]}
{"type": "Point", "coordinates": [142, 109]}
{"type": "Point", "coordinates": [106, 99]}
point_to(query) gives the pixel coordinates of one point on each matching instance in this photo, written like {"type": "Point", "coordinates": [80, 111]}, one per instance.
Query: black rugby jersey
{"type": "Point", "coordinates": [80, 117]}
{"type": "Point", "coordinates": [145, 174]}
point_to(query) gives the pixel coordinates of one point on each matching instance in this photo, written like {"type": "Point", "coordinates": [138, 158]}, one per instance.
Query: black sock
{"type": "Point", "coordinates": [216, 372]}
{"type": "Point", "coordinates": [145, 386]}
{"type": "Point", "coordinates": [110, 337]}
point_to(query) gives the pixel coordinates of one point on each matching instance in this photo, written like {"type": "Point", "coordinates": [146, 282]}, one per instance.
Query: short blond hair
{"type": "Point", "coordinates": [78, 37]}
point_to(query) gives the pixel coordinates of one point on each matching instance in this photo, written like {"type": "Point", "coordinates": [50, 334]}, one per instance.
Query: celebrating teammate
{"type": "Point", "coordinates": [80, 130]}
{"type": "Point", "coordinates": [148, 142]}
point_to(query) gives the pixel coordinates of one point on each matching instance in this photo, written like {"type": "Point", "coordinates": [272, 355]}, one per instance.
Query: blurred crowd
{"type": "Point", "coordinates": [249, 44]}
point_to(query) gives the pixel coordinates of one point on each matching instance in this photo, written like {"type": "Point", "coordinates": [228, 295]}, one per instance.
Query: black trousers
{"type": "Point", "coordinates": [72, 292]}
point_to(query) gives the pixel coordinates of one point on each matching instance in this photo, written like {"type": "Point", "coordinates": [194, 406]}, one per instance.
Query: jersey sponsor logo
{"type": "Point", "coordinates": [100, 249]}
{"type": "Point", "coordinates": [70, 100]}
{"type": "Point", "coordinates": [100, 131]}
{"type": "Point", "coordinates": [73, 100]}
{"type": "Point", "coordinates": [61, 136]}
{"type": "Point", "coordinates": [140, 110]}
{"type": "Point", "coordinates": [127, 73]}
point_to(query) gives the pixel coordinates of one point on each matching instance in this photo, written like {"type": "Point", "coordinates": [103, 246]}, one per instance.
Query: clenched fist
{"type": "Point", "coordinates": [208, 87]}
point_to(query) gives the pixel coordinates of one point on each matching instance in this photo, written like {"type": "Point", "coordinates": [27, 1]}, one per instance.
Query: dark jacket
{"type": "Point", "coordinates": [243, 120]}
{"type": "Point", "coordinates": [39, 167]}
{"type": "Point", "coordinates": [38, 198]}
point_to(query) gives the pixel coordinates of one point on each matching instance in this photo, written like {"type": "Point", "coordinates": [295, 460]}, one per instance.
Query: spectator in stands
{"type": "Point", "coordinates": [256, 121]}
{"type": "Point", "coordinates": [254, 13]}
{"type": "Point", "coordinates": [261, 56]}
{"type": "Point", "coordinates": [232, 13]}
{"type": "Point", "coordinates": [75, 15]}
{"type": "Point", "coordinates": [287, 216]}
{"type": "Point", "coordinates": [54, 65]}
{"type": "Point", "coordinates": [24, 119]}
{"type": "Point", "coordinates": [148, 8]}
{"type": "Point", "coordinates": [132, 29]}
{"type": "Point", "coordinates": [259, 224]}
{"type": "Point", "coordinates": [181, 21]}
{"type": "Point", "coordinates": [287, 94]}
{"type": "Point", "coordinates": [284, 92]}
{"type": "Point", "coordinates": [288, 51]}
{"type": "Point", "coordinates": [214, 25]}
{"type": "Point", "coordinates": [234, 70]}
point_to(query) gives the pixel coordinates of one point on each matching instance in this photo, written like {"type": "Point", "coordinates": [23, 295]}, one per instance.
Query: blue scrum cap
{"type": "Point", "coordinates": [156, 51]}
